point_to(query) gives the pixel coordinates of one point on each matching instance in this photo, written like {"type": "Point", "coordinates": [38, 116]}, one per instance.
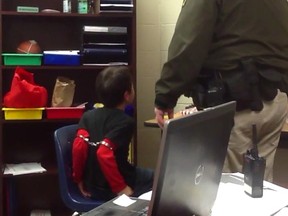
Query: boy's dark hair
{"type": "Point", "coordinates": [111, 85]}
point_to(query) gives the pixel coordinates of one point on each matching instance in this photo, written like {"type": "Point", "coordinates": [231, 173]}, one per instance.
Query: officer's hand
{"type": "Point", "coordinates": [159, 115]}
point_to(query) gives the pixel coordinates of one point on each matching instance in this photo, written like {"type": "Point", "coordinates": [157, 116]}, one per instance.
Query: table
{"type": "Point", "coordinates": [232, 200]}
{"type": "Point", "coordinates": [153, 123]}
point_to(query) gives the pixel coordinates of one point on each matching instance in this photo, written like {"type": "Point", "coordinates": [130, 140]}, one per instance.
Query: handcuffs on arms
{"type": "Point", "coordinates": [97, 143]}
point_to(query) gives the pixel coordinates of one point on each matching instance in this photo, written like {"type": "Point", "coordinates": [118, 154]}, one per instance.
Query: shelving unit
{"type": "Point", "coordinates": [32, 140]}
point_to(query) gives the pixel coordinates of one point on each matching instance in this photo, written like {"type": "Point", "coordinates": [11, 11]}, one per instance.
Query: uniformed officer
{"type": "Point", "coordinates": [237, 40]}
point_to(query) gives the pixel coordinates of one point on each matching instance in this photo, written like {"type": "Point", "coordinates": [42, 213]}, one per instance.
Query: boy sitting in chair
{"type": "Point", "coordinates": [100, 149]}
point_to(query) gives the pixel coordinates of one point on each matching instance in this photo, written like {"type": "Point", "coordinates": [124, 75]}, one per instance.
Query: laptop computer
{"type": "Point", "coordinates": [189, 166]}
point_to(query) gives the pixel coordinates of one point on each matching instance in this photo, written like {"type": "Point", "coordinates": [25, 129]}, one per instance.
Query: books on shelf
{"type": "Point", "coordinates": [104, 60]}
{"type": "Point", "coordinates": [104, 45]}
{"type": "Point", "coordinates": [105, 29]}
{"type": "Point", "coordinates": [116, 5]}
{"type": "Point", "coordinates": [104, 51]}
{"type": "Point", "coordinates": [107, 64]}
{"type": "Point", "coordinates": [116, 1]}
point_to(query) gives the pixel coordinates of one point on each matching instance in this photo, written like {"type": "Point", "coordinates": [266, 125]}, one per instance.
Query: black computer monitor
{"type": "Point", "coordinates": [190, 162]}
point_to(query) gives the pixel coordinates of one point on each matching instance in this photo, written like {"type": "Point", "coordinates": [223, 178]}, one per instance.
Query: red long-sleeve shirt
{"type": "Point", "coordinates": [105, 158]}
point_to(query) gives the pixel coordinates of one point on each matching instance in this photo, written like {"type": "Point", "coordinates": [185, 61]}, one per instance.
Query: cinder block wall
{"type": "Point", "coordinates": [155, 25]}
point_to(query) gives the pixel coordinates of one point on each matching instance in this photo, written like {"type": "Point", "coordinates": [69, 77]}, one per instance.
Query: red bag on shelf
{"type": "Point", "coordinates": [24, 93]}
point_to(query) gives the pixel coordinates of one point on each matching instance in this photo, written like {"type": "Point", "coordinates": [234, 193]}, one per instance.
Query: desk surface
{"type": "Point", "coordinates": [231, 190]}
{"type": "Point", "coordinates": [232, 200]}
{"type": "Point", "coordinates": [282, 144]}
{"type": "Point", "coordinates": [153, 123]}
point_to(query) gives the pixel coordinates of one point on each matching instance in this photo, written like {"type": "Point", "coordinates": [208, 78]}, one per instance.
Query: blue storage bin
{"type": "Point", "coordinates": [61, 57]}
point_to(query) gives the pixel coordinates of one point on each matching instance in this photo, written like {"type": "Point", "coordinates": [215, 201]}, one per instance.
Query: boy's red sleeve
{"type": "Point", "coordinates": [109, 167]}
{"type": "Point", "coordinates": [79, 155]}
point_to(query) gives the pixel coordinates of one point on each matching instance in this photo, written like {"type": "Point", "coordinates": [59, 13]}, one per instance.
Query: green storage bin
{"type": "Point", "coordinates": [22, 59]}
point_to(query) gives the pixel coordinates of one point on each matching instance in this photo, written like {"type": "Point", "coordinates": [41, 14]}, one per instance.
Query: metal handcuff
{"type": "Point", "coordinates": [97, 143]}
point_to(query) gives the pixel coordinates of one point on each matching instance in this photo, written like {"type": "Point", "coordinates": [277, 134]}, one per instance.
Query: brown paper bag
{"type": "Point", "coordinates": [63, 93]}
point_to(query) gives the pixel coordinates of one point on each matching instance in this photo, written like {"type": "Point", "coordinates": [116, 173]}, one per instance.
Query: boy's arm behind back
{"type": "Point", "coordinates": [79, 155]}
{"type": "Point", "coordinates": [110, 170]}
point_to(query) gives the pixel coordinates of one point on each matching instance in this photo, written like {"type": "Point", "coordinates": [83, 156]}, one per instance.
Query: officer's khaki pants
{"type": "Point", "coordinates": [269, 123]}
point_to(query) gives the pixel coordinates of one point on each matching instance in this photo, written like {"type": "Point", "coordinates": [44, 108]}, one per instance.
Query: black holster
{"type": "Point", "coordinates": [208, 91]}
{"type": "Point", "coordinates": [243, 86]}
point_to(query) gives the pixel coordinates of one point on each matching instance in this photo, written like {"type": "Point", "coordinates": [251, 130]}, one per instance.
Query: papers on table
{"type": "Point", "coordinates": [23, 168]}
{"type": "Point", "coordinates": [232, 200]}
{"type": "Point", "coordinates": [124, 201]}
{"type": "Point", "coordinates": [146, 196]}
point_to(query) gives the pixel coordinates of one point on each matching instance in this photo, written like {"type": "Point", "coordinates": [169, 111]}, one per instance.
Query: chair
{"type": "Point", "coordinates": [70, 193]}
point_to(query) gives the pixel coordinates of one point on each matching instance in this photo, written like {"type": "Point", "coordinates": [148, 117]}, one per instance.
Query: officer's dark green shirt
{"type": "Point", "coordinates": [216, 34]}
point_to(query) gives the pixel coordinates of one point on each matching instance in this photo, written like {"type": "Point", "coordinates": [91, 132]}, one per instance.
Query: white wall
{"type": "Point", "coordinates": [155, 25]}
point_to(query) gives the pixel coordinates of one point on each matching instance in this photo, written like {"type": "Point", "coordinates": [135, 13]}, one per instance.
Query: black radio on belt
{"type": "Point", "coordinates": [253, 169]}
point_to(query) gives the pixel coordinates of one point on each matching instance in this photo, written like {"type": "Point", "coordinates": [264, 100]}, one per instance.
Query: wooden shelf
{"type": "Point", "coordinates": [104, 15]}
{"type": "Point", "coordinates": [85, 68]}
{"type": "Point", "coordinates": [32, 140]}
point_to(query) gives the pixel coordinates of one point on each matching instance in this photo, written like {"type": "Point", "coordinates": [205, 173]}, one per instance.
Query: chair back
{"type": "Point", "coordinates": [70, 193]}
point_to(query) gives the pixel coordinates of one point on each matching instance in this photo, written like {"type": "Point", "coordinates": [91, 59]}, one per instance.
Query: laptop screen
{"type": "Point", "coordinates": [190, 162]}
